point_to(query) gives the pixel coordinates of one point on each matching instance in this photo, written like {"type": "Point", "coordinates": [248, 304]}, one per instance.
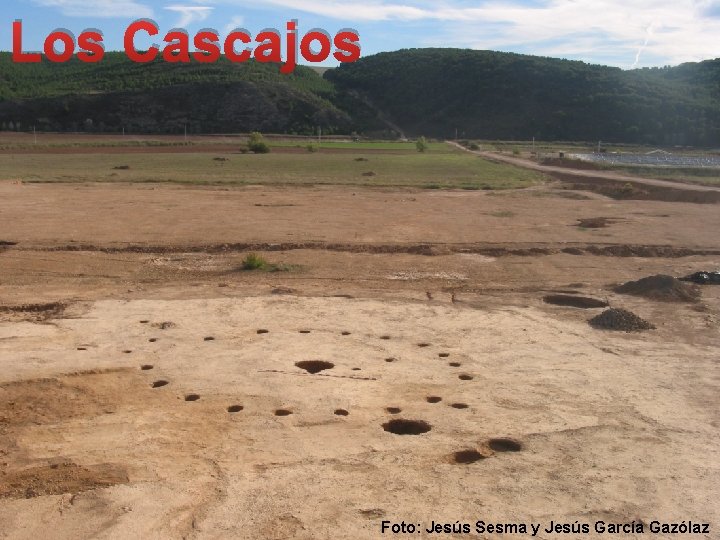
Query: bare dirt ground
{"type": "Point", "coordinates": [151, 389]}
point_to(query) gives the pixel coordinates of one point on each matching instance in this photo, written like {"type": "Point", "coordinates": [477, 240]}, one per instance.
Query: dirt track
{"type": "Point", "coordinates": [589, 174]}
{"type": "Point", "coordinates": [430, 302]}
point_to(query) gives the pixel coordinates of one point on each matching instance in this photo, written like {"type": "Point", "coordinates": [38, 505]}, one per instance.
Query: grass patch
{"type": "Point", "coordinates": [253, 261]}
{"type": "Point", "coordinates": [449, 169]}
{"type": "Point", "coordinates": [363, 145]}
{"type": "Point", "coordinates": [256, 262]}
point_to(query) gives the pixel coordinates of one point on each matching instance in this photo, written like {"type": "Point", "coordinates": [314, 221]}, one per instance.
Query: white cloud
{"type": "Point", "coordinates": [99, 8]}
{"type": "Point", "coordinates": [235, 22]}
{"type": "Point", "coordinates": [190, 14]}
{"type": "Point", "coordinates": [681, 30]}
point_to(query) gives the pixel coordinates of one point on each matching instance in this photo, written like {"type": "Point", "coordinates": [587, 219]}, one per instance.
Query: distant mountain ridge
{"type": "Point", "coordinates": [491, 95]}
{"type": "Point", "coordinates": [431, 92]}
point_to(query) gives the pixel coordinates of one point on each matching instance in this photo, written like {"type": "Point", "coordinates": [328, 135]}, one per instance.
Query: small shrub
{"type": "Point", "coordinates": [260, 148]}
{"type": "Point", "coordinates": [257, 143]}
{"type": "Point", "coordinates": [253, 261]}
{"type": "Point", "coordinates": [421, 144]}
{"type": "Point", "coordinates": [311, 148]}
{"type": "Point", "coordinates": [516, 152]}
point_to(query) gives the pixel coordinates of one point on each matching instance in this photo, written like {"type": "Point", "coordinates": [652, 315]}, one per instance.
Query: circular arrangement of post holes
{"type": "Point", "coordinates": [396, 426]}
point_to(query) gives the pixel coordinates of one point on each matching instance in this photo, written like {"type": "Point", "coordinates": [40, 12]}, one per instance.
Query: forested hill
{"type": "Point", "coordinates": [495, 95]}
{"type": "Point", "coordinates": [162, 97]}
{"type": "Point", "coordinates": [428, 92]}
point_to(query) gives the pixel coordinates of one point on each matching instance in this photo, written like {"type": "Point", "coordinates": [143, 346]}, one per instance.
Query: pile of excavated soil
{"type": "Point", "coordinates": [660, 287]}
{"type": "Point", "coordinates": [620, 319]}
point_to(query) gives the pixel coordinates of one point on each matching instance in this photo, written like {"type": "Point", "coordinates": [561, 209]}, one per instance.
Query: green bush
{"type": "Point", "coordinates": [257, 143]}
{"type": "Point", "coordinates": [421, 144]}
{"type": "Point", "coordinates": [253, 261]}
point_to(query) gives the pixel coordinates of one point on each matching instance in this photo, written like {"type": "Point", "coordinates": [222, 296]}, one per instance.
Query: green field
{"type": "Point", "coordinates": [441, 167]}
{"type": "Point", "coordinates": [435, 147]}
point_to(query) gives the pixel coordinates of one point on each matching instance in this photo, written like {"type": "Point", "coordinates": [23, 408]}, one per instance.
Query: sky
{"type": "Point", "coordinates": [622, 33]}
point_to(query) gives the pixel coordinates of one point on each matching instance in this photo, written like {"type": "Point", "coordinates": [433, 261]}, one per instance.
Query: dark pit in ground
{"type": "Point", "coordinates": [444, 354]}
{"type": "Point", "coordinates": [159, 384]}
{"type": "Point", "coordinates": [400, 426]}
{"type": "Point", "coordinates": [283, 412]}
{"type": "Point", "coordinates": [192, 397]}
{"type": "Point", "coordinates": [384, 337]}
{"type": "Point", "coordinates": [345, 333]}
{"type": "Point", "coordinates": [583, 302]}
{"type": "Point", "coordinates": [82, 348]}
{"type": "Point", "coordinates": [341, 412]}
{"type": "Point", "coordinates": [594, 223]}
{"type": "Point", "coordinates": [235, 408]}
{"type": "Point", "coordinates": [209, 338]}
{"type": "Point", "coordinates": [394, 410]}
{"type": "Point", "coordinates": [262, 331]}
{"type": "Point", "coordinates": [465, 457]}
{"type": "Point", "coordinates": [433, 399]}
{"type": "Point", "coordinates": [454, 364]}
{"type": "Point", "coordinates": [146, 367]}
{"type": "Point", "coordinates": [314, 366]}
{"type": "Point", "coordinates": [423, 344]}
{"type": "Point", "coordinates": [152, 340]}
{"type": "Point", "coordinates": [304, 331]}
{"type": "Point", "coordinates": [390, 359]}
{"type": "Point", "coordinates": [505, 445]}
{"type": "Point", "coordinates": [465, 377]}
{"type": "Point", "coordinates": [459, 405]}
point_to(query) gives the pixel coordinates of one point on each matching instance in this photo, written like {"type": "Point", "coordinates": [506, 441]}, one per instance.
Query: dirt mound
{"type": "Point", "coordinates": [621, 190]}
{"type": "Point", "coordinates": [660, 287]}
{"type": "Point", "coordinates": [46, 401]}
{"type": "Point", "coordinates": [60, 478]}
{"type": "Point", "coordinates": [620, 319]}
